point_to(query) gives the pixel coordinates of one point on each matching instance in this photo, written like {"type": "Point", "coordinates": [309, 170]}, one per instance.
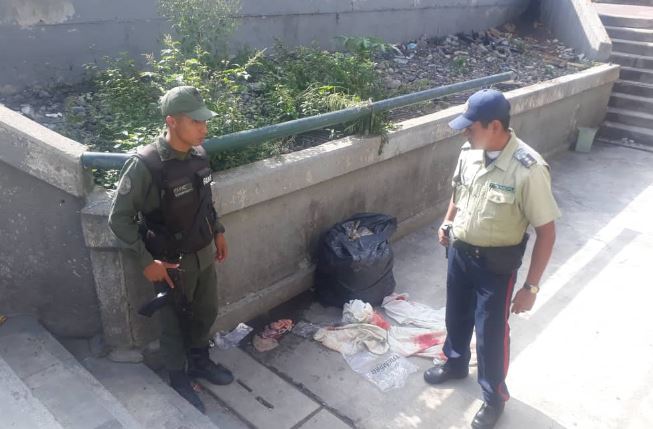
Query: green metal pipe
{"type": "Point", "coordinates": [245, 138]}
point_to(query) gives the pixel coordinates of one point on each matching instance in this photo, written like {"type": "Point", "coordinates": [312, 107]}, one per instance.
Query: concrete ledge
{"type": "Point", "coordinates": [577, 24]}
{"type": "Point", "coordinates": [252, 184]}
{"type": "Point", "coordinates": [275, 210]}
{"type": "Point", "coordinates": [42, 153]}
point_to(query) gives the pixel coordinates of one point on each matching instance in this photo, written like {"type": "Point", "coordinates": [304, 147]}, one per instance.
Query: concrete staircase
{"type": "Point", "coordinates": [630, 113]}
{"type": "Point", "coordinates": [42, 385]}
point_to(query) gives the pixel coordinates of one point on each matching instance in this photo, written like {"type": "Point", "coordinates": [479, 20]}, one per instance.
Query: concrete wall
{"type": "Point", "coordinates": [577, 24]}
{"type": "Point", "coordinates": [45, 268]}
{"type": "Point", "coordinates": [275, 210]}
{"type": "Point", "coordinates": [47, 41]}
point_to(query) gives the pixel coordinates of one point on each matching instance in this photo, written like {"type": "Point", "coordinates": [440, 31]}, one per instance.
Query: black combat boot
{"type": "Point", "coordinates": [182, 385]}
{"type": "Point", "coordinates": [488, 415]}
{"type": "Point", "coordinates": [200, 365]}
{"type": "Point", "coordinates": [441, 373]}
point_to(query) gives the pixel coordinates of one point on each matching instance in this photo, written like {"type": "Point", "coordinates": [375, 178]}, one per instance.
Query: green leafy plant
{"type": "Point", "coordinates": [120, 109]}
{"type": "Point", "coordinates": [204, 23]}
{"type": "Point", "coordinates": [364, 47]}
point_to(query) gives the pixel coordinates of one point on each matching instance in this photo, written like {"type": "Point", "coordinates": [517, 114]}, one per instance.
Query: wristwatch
{"type": "Point", "coordinates": [534, 289]}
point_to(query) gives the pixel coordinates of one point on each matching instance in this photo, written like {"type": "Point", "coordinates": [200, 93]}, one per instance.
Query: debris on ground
{"type": "Point", "coordinates": [406, 312]}
{"type": "Point", "coordinates": [233, 338]}
{"type": "Point", "coordinates": [269, 338]}
{"type": "Point", "coordinates": [354, 338]}
{"type": "Point", "coordinates": [305, 329]}
{"type": "Point", "coordinates": [357, 311]}
{"type": "Point", "coordinates": [413, 341]}
{"type": "Point", "coordinates": [387, 372]}
{"type": "Point", "coordinates": [3, 319]}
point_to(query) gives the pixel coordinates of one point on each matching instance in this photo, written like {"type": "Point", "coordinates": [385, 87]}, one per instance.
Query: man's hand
{"type": "Point", "coordinates": [157, 271]}
{"type": "Point", "coordinates": [442, 238]}
{"type": "Point", "coordinates": [221, 248]}
{"type": "Point", "coordinates": [523, 301]}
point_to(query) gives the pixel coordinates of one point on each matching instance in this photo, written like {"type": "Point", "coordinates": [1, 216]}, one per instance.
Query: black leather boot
{"type": "Point", "coordinates": [200, 365]}
{"type": "Point", "coordinates": [182, 385]}
{"type": "Point", "coordinates": [441, 373]}
{"type": "Point", "coordinates": [488, 415]}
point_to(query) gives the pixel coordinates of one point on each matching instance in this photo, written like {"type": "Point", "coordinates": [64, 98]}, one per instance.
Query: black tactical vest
{"type": "Point", "coordinates": [184, 221]}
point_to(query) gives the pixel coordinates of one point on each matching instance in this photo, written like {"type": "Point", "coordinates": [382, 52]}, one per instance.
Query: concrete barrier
{"type": "Point", "coordinates": [45, 267]}
{"type": "Point", "coordinates": [45, 42]}
{"type": "Point", "coordinates": [275, 210]}
{"type": "Point", "coordinates": [577, 24]}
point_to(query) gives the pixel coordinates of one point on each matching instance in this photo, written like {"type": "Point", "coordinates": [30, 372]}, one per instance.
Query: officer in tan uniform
{"type": "Point", "coordinates": [500, 187]}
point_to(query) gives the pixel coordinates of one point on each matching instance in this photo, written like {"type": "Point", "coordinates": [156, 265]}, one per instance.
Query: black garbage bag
{"type": "Point", "coordinates": [355, 261]}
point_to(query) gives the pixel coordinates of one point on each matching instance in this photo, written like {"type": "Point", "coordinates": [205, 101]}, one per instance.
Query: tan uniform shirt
{"type": "Point", "coordinates": [496, 203]}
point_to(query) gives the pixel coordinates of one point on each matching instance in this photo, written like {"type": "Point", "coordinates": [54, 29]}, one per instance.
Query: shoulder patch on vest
{"type": "Point", "coordinates": [524, 158]}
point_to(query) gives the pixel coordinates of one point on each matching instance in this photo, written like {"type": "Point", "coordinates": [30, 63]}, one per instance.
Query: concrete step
{"type": "Point", "coordinates": [153, 403]}
{"type": "Point", "coordinates": [631, 60]}
{"type": "Point", "coordinates": [18, 407]}
{"type": "Point", "coordinates": [631, 102]}
{"type": "Point", "coordinates": [626, 21]}
{"type": "Point", "coordinates": [630, 47]}
{"type": "Point", "coordinates": [68, 391]}
{"type": "Point", "coordinates": [631, 16]}
{"type": "Point", "coordinates": [635, 34]}
{"type": "Point", "coordinates": [635, 74]}
{"type": "Point", "coordinates": [630, 117]}
{"type": "Point", "coordinates": [626, 143]}
{"type": "Point", "coordinates": [633, 88]}
{"type": "Point", "coordinates": [629, 2]}
{"type": "Point", "coordinates": [259, 396]}
{"type": "Point", "coordinates": [614, 131]}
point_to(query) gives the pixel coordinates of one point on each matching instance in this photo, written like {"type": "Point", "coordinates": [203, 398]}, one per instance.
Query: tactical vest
{"type": "Point", "coordinates": [184, 220]}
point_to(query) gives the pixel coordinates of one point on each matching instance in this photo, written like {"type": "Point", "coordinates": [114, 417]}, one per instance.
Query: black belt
{"type": "Point", "coordinates": [501, 259]}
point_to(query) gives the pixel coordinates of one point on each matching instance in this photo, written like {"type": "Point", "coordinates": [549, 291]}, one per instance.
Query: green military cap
{"type": "Point", "coordinates": [186, 100]}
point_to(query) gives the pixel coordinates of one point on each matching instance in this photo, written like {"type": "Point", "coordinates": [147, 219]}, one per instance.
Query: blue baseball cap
{"type": "Point", "coordinates": [485, 105]}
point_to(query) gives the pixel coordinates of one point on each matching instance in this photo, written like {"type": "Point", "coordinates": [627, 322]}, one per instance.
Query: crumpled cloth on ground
{"type": "Point", "coordinates": [398, 307]}
{"type": "Point", "coordinates": [269, 338]}
{"type": "Point", "coordinates": [354, 338]}
{"type": "Point", "coordinates": [412, 341]}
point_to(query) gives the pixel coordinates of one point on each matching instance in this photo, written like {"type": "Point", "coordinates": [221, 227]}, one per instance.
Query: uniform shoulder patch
{"type": "Point", "coordinates": [525, 158]}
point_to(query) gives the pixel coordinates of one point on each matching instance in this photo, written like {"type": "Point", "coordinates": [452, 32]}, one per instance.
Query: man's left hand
{"type": "Point", "coordinates": [523, 301]}
{"type": "Point", "coordinates": [221, 248]}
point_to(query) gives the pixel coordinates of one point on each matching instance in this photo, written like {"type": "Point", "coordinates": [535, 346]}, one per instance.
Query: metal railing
{"type": "Point", "coordinates": [241, 139]}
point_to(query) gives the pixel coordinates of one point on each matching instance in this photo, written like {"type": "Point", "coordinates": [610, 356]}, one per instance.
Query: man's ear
{"type": "Point", "coordinates": [497, 126]}
{"type": "Point", "coordinates": [171, 122]}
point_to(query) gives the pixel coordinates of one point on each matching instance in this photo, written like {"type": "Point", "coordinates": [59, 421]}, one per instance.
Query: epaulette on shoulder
{"type": "Point", "coordinates": [525, 158]}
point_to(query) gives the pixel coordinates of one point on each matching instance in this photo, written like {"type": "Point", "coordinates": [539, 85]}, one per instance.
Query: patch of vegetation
{"type": "Point", "coordinates": [120, 109]}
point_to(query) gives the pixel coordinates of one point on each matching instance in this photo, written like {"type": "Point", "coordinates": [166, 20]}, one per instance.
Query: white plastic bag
{"type": "Point", "coordinates": [357, 311]}
{"type": "Point", "coordinates": [387, 372]}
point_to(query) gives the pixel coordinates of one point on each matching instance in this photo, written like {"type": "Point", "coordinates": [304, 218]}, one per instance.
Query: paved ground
{"type": "Point", "coordinates": [581, 359]}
